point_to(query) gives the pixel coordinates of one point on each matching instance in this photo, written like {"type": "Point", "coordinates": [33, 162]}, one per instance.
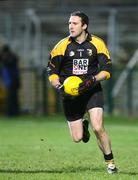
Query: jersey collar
{"type": "Point", "coordinates": [89, 38]}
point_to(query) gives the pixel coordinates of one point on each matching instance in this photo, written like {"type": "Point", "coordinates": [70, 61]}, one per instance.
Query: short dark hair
{"type": "Point", "coordinates": [83, 16]}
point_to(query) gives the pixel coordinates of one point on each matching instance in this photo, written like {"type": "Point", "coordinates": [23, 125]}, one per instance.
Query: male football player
{"type": "Point", "coordinates": [86, 56]}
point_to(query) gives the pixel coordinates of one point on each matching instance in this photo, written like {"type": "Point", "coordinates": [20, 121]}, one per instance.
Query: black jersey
{"type": "Point", "coordinates": [71, 58]}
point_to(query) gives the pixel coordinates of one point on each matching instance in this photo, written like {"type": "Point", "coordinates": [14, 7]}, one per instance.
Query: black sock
{"type": "Point", "coordinates": [108, 157]}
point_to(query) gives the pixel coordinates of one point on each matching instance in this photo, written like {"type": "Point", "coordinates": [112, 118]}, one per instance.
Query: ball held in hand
{"type": "Point", "coordinates": [71, 85]}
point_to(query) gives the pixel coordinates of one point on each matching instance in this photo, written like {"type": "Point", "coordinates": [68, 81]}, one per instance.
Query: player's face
{"type": "Point", "coordinates": [75, 26]}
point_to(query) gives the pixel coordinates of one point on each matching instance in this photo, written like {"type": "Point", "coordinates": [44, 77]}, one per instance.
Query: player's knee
{"type": "Point", "coordinates": [77, 138]}
{"type": "Point", "coordinates": [98, 130]}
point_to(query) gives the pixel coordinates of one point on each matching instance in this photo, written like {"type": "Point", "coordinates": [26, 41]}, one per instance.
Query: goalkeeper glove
{"type": "Point", "coordinates": [86, 84]}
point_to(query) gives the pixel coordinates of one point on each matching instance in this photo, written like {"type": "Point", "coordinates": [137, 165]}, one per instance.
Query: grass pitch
{"type": "Point", "coordinates": [40, 148]}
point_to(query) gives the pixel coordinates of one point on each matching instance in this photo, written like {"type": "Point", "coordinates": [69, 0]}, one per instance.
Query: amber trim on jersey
{"type": "Point", "coordinates": [53, 77]}
{"type": "Point", "coordinates": [100, 46]}
{"type": "Point", "coordinates": [108, 75]}
{"type": "Point", "coordinates": [58, 57]}
{"type": "Point", "coordinates": [59, 49]}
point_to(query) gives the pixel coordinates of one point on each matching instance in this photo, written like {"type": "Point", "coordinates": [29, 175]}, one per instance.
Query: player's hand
{"type": "Point", "coordinates": [86, 85]}
{"type": "Point", "coordinates": [60, 88]}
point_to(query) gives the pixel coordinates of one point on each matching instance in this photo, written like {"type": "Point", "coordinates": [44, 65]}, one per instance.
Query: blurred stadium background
{"type": "Point", "coordinates": [32, 28]}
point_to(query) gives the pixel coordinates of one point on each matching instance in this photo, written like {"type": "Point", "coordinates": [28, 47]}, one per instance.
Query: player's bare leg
{"type": "Point", "coordinates": [76, 130]}
{"type": "Point", "coordinates": [79, 130]}
{"type": "Point", "coordinates": [96, 118]}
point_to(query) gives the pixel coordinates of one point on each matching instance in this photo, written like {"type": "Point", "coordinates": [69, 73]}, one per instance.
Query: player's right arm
{"type": "Point", "coordinates": [53, 70]}
{"type": "Point", "coordinates": [55, 62]}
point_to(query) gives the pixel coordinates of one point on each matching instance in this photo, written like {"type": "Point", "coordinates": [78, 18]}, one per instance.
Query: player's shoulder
{"type": "Point", "coordinates": [62, 43]}
{"type": "Point", "coordinates": [96, 40]}
{"type": "Point", "coordinates": [60, 47]}
{"type": "Point", "coordinates": [100, 45]}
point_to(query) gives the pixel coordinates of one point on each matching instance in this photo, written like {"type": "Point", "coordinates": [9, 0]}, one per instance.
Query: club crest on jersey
{"type": "Point", "coordinates": [89, 52]}
{"type": "Point", "coordinates": [80, 66]}
{"type": "Point", "coordinates": [72, 53]}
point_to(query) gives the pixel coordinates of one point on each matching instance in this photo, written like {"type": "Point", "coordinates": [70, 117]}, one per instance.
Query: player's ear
{"type": "Point", "coordinates": [84, 26]}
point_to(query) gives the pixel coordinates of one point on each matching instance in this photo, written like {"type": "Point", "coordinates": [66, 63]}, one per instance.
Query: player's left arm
{"type": "Point", "coordinates": [105, 66]}
{"type": "Point", "coordinates": [102, 75]}
{"type": "Point", "coordinates": [105, 63]}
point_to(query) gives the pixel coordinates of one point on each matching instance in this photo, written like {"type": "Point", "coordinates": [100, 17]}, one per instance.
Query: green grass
{"type": "Point", "coordinates": [40, 148]}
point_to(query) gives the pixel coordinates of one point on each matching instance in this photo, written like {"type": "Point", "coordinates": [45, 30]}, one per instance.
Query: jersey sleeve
{"type": "Point", "coordinates": [103, 55]}
{"type": "Point", "coordinates": [104, 58]}
{"type": "Point", "coordinates": [56, 58]}
{"type": "Point", "coordinates": [54, 64]}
